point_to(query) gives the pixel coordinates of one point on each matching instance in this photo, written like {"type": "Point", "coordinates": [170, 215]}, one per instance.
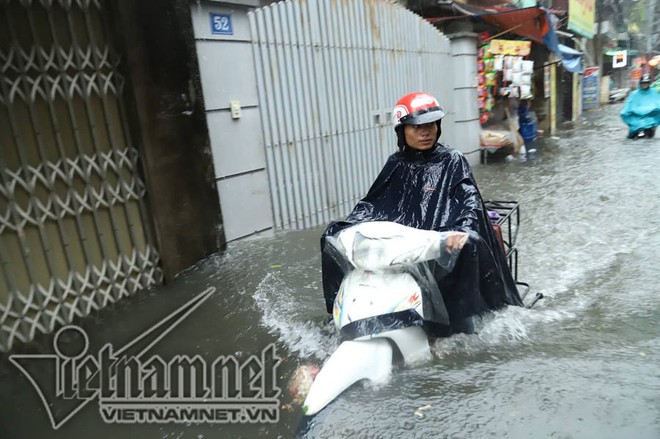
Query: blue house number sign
{"type": "Point", "coordinates": [221, 24]}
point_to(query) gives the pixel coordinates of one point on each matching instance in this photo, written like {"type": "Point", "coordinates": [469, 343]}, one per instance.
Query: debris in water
{"type": "Point", "coordinates": [419, 412]}
{"type": "Point", "coordinates": [301, 382]}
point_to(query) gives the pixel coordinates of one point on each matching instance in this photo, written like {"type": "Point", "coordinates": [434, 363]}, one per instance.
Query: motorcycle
{"type": "Point", "coordinates": [379, 310]}
{"type": "Point", "coordinates": [618, 94]}
{"type": "Point", "coordinates": [643, 133]}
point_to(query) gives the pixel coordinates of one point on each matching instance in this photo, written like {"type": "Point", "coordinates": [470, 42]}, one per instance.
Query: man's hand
{"type": "Point", "coordinates": [456, 241]}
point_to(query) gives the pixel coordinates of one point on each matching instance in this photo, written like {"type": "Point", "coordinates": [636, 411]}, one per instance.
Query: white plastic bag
{"type": "Point", "coordinates": [517, 64]}
{"type": "Point", "coordinates": [498, 63]}
{"type": "Point", "coordinates": [527, 66]}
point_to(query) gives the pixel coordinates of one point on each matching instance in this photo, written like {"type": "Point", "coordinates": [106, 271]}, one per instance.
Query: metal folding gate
{"type": "Point", "coordinates": [74, 232]}
{"type": "Point", "coordinates": [329, 73]}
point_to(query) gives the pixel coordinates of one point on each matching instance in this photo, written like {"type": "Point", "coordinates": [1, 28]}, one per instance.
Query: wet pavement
{"type": "Point", "coordinates": [582, 364]}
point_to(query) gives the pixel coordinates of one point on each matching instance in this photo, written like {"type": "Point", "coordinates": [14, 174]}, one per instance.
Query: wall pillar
{"type": "Point", "coordinates": [577, 98]}
{"type": "Point", "coordinates": [466, 128]}
{"type": "Point", "coordinates": [553, 99]}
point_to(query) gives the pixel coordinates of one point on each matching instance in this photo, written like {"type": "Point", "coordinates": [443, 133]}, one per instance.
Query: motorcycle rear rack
{"type": "Point", "coordinates": [509, 223]}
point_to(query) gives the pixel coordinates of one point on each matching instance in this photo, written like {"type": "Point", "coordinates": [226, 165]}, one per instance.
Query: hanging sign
{"type": "Point", "coordinates": [620, 59]}
{"type": "Point", "coordinates": [510, 47]}
{"type": "Point", "coordinates": [581, 15]}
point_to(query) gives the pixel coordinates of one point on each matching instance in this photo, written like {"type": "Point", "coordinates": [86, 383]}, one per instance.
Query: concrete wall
{"type": "Point", "coordinates": [227, 73]}
{"type": "Point", "coordinates": [170, 129]}
{"type": "Point", "coordinates": [604, 90]}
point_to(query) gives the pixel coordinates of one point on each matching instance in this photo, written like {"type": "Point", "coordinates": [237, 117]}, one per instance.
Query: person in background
{"type": "Point", "coordinates": [641, 111]}
{"type": "Point", "coordinates": [430, 186]}
{"type": "Point", "coordinates": [528, 125]}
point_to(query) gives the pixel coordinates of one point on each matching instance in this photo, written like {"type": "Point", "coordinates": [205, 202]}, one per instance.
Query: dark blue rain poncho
{"type": "Point", "coordinates": [435, 190]}
{"type": "Point", "coordinates": [641, 110]}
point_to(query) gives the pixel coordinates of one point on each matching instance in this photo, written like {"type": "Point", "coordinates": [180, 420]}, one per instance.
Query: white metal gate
{"type": "Point", "coordinates": [73, 225]}
{"type": "Point", "coordinates": [329, 73]}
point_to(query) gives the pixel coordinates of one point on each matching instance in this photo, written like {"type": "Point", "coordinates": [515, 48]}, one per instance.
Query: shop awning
{"type": "Point", "coordinates": [529, 22]}
{"type": "Point", "coordinates": [611, 52]}
{"type": "Point", "coordinates": [535, 23]}
{"type": "Point", "coordinates": [571, 59]}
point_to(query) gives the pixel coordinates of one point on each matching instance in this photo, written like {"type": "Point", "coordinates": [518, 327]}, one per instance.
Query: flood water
{"type": "Point", "coordinates": [584, 363]}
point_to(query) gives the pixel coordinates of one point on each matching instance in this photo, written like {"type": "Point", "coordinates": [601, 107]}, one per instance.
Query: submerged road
{"type": "Point", "coordinates": [582, 364]}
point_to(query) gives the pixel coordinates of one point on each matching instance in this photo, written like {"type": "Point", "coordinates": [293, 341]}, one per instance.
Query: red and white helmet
{"type": "Point", "coordinates": [416, 108]}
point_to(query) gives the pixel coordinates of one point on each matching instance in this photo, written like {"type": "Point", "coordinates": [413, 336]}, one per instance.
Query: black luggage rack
{"type": "Point", "coordinates": [509, 222]}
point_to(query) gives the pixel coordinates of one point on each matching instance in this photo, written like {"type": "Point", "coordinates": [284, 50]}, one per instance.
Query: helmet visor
{"type": "Point", "coordinates": [421, 117]}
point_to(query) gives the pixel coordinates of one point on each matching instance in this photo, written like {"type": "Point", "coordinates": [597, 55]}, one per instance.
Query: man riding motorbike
{"type": "Point", "coordinates": [641, 112]}
{"type": "Point", "coordinates": [429, 186]}
{"type": "Point", "coordinates": [390, 288]}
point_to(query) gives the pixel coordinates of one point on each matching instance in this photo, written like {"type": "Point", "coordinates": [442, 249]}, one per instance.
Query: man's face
{"type": "Point", "coordinates": [421, 137]}
{"type": "Point", "coordinates": [645, 85]}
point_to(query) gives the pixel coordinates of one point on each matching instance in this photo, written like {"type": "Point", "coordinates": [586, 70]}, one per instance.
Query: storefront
{"type": "Point", "coordinates": [505, 90]}
{"type": "Point", "coordinates": [527, 81]}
